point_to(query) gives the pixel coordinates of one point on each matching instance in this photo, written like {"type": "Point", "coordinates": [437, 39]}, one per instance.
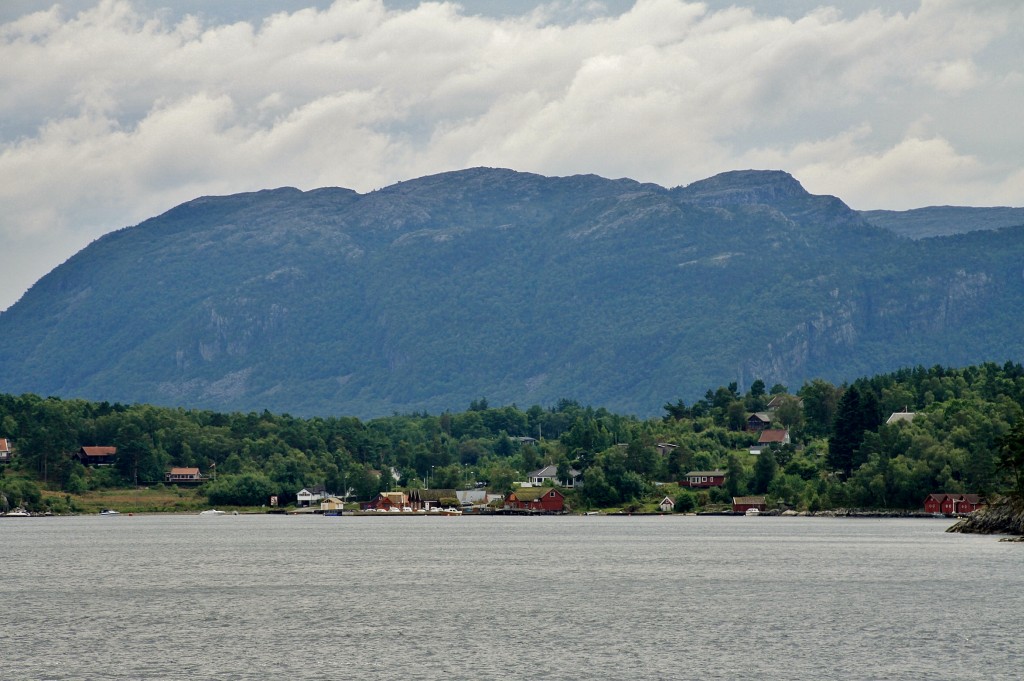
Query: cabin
{"type": "Point", "coordinates": [777, 401]}
{"type": "Point", "coordinates": [307, 496]}
{"type": "Point", "coordinates": [744, 504]}
{"type": "Point", "coordinates": [703, 479]}
{"type": "Point", "coordinates": [758, 421]}
{"type": "Point", "coordinates": [385, 501]}
{"type": "Point", "coordinates": [535, 499]}
{"type": "Point", "coordinates": [96, 456]}
{"type": "Point", "coordinates": [550, 474]}
{"type": "Point", "coordinates": [667, 505]}
{"type": "Point", "coordinates": [952, 504]}
{"type": "Point", "coordinates": [332, 506]}
{"type": "Point", "coordinates": [177, 476]}
{"type": "Point", "coordinates": [427, 499]}
{"type": "Point", "coordinates": [6, 452]}
{"type": "Point", "coordinates": [770, 437]}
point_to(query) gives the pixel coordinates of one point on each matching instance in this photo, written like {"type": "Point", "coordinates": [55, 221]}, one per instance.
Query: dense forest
{"type": "Point", "coordinates": [966, 436]}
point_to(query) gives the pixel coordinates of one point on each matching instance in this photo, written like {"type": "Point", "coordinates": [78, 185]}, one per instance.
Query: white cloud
{"type": "Point", "coordinates": [111, 115]}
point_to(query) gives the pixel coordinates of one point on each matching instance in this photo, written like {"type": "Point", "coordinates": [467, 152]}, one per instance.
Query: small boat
{"type": "Point", "coordinates": [450, 511]}
{"type": "Point", "coordinates": [212, 512]}
{"type": "Point", "coordinates": [752, 511]}
{"type": "Point", "coordinates": [18, 513]}
{"type": "Point", "coordinates": [109, 511]}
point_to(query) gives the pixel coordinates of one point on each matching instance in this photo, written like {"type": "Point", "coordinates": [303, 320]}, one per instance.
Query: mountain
{"type": "Point", "coordinates": [516, 287]}
{"type": "Point", "coordinates": [921, 223]}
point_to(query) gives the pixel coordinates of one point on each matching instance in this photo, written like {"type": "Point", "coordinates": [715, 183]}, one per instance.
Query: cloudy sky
{"type": "Point", "coordinates": [113, 111]}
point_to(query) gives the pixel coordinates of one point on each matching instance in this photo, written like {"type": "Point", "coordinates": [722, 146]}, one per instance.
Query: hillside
{"type": "Point", "coordinates": [921, 223]}
{"type": "Point", "coordinates": [515, 287]}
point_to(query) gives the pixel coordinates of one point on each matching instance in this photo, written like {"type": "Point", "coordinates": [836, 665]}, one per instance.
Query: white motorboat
{"type": "Point", "coordinates": [17, 513]}
{"type": "Point", "coordinates": [212, 512]}
{"type": "Point", "coordinates": [752, 511]}
{"type": "Point", "coordinates": [109, 511]}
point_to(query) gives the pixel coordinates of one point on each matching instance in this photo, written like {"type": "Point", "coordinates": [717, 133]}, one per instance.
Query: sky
{"type": "Point", "coordinates": [114, 111]}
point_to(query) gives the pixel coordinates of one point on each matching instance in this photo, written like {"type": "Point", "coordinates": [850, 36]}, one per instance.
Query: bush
{"type": "Point", "coordinates": [686, 501]}
{"type": "Point", "coordinates": [247, 489]}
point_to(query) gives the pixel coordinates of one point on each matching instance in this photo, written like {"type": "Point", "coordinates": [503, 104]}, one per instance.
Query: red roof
{"type": "Point", "coordinates": [99, 451]}
{"type": "Point", "coordinates": [772, 436]}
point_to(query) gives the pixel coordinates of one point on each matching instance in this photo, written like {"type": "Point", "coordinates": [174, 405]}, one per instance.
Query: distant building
{"type": "Point", "coordinates": [6, 452]}
{"type": "Point", "coordinates": [744, 504]}
{"type": "Point", "coordinates": [550, 474]}
{"type": "Point", "coordinates": [308, 496]}
{"type": "Point", "coordinates": [703, 479]}
{"type": "Point", "coordinates": [536, 499]}
{"type": "Point", "coordinates": [667, 505]}
{"type": "Point", "coordinates": [770, 437]}
{"type": "Point", "coordinates": [952, 504]}
{"type": "Point", "coordinates": [183, 475]}
{"type": "Point", "coordinates": [900, 417]}
{"type": "Point", "coordinates": [96, 456]}
{"type": "Point", "coordinates": [759, 421]}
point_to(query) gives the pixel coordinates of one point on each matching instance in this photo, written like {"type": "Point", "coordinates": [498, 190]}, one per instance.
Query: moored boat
{"type": "Point", "coordinates": [212, 512]}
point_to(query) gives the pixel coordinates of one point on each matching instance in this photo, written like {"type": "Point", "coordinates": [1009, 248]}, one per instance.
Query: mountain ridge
{"type": "Point", "coordinates": [513, 286]}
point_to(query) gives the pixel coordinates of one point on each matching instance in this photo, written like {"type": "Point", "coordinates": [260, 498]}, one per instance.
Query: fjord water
{"type": "Point", "coordinates": [253, 597]}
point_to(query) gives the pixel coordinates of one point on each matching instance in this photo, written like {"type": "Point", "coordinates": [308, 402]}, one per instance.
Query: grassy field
{"type": "Point", "coordinates": [147, 500]}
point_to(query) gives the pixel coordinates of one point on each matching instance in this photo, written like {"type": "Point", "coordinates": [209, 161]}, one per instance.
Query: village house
{"type": "Point", "coordinates": [332, 506]}
{"type": "Point", "coordinates": [427, 499]}
{"type": "Point", "coordinates": [96, 456]}
{"type": "Point", "coordinates": [759, 421]}
{"type": "Point", "coordinates": [307, 496]}
{"type": "Point", "coordinates": [177, 476]}
{"type": "Point", "coordinates": [952, 504]}
{"type": "Point", "coordinates": [667, 505]}
{"type": "Point", "coordinates": [779, 400]}
{"type": "Point", "coordinates": [744, 504]}
{"type": "Point", "coordinates": [6, 452]}
{"type": "Point", "coordinates": [550, 474]}
{"type": "Point", "coordinates": [385, 501]}
{"type": "Point", "coordinates": [703, 479]}
{"type": "Point", "coordinates": [770, 437]}
{"type": "Point", "coordinates": [535, 499]}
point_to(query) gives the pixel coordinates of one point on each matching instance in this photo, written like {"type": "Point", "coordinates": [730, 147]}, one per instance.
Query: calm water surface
{"type": "Point", "coordinates": [254, 597]}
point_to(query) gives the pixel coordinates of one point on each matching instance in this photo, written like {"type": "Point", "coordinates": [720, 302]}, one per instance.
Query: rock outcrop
{"type": "Point", "coordinates": [1003, 516]}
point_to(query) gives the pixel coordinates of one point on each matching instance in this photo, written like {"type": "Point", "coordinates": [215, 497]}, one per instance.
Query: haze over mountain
{"type": "Point", "coordinates": [511, 286]}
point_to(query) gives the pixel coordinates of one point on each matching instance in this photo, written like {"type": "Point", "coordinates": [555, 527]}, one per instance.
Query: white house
{"type": "Point", "coordinates": [539, 477]}
{"type": "Point", "coordinates": [311, 495]}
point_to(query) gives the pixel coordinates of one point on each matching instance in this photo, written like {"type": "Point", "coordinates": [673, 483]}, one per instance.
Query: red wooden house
{"type": "Point", "coordinates": [952, 504]}
{"type": "Point", "coordinates": [703, 479]}
{"type": "Point", "coordinates": [744, 504]}
{"type": "Point", "coordinates": [537, 499]}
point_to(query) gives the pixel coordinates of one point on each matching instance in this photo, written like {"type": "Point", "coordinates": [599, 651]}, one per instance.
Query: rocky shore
{"type": "Point", "coordinates": [1003, 516]}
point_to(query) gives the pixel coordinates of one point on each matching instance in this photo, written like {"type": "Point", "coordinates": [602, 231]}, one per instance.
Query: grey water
{"type": "Point", "coordinates": [254, 597]}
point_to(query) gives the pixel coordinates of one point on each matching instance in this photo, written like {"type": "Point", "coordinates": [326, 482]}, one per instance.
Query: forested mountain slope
{"type": "Point", "coordinates": [517, 287]}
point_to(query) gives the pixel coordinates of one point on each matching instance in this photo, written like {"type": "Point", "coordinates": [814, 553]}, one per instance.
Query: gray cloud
{"type": "Point", "coordinates": [116, 111]}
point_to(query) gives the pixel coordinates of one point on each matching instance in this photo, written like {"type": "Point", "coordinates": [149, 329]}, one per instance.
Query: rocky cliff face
{"type": "Point", "coordinates": [1003, 516]}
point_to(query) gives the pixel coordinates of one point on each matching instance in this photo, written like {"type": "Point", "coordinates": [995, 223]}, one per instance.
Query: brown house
{"type": "Point", "coordinates": [96, 456]}
{"type": "Point", "coordinates": [536, 499]}
{"type": "Point", "coordinates": [744, 504]}
{"type": "Point", "coordinates": [6, 453]}
{"type": "Point", "coordinates": [759, 421]}
{"type": "Point", "coordinates": [703, 479]}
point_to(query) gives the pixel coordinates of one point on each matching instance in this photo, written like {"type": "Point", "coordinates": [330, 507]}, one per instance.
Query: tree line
{"type": "Point", "coordinates": [965, 436]}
